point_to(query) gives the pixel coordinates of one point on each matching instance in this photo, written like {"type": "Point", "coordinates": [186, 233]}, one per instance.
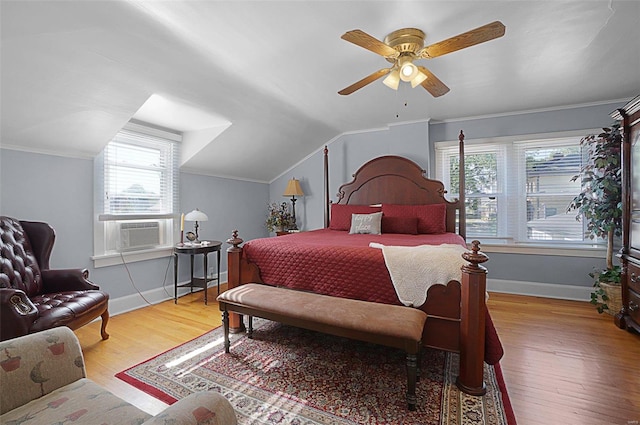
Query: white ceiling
{"type": "Point", "coordinates": [263, 76]}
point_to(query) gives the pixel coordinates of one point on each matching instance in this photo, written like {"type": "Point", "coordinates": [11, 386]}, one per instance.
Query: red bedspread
{"type": "Point", "coordinates": [332, 262]}
{"type": "Point", "coordinates": [335, 263]}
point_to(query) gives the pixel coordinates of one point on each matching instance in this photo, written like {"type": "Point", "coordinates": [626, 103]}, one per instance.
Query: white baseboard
{"type": "Point", "coordinates": [535, 289]}
{"type": "Point", "coordinates": [154, 296]}
{"type": "Point", "coordinates": [538, 289]}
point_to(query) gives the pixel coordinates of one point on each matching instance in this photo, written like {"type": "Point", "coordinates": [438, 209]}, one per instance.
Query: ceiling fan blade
{"type": "Point", "coordinates": [362, 39]}
{"type": "Point", "coordinates": [466, 39]}
{"type": "Point", "coordinates": [432, 84]}
{"type": "Point", "coordinates": [366, 80]}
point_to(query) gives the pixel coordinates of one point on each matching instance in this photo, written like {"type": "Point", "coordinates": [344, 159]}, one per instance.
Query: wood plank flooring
{"type": "Point", "coordinates": [563, 364]}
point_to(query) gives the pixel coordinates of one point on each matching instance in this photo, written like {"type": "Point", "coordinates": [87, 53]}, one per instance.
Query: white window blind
{"type": "Point", "coordinates": [517, 191]}
{"type": "Point", "coordinates": [549, 167]}
{"type": "Point", "coordinates": [139, 175]}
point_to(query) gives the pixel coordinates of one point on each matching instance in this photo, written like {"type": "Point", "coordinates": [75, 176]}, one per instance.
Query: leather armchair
{"type": "Point", "coordinates": [34, 297]}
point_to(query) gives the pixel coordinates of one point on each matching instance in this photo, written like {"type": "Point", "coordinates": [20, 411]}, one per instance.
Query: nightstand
{"type": "Point", "coordinates": [204, 248]}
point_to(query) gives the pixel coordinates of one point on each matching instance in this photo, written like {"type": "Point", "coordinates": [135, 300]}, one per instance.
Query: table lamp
{"type": "Point", "coordinates": [196, 215]}
{"type": "Point", "coordinates": [293, 189]}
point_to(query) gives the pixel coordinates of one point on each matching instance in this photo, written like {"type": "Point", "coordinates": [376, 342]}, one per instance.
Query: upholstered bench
{"type": "Point", "coordinates": [389, 325]}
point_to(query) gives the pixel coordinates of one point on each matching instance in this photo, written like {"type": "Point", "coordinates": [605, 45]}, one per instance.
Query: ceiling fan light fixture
{"type": "Point", "coordinates": [392, 80]}
{"type": "Point", "coordinates": [404, 46]}
{"type": "Point", "coordinates": [418, 79]}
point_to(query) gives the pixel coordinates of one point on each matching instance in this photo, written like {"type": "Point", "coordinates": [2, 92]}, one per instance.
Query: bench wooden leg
{"type": "Point", "coordinates": [412, 372]}
{"type": "Point", "coordinates": [225, 323]}
{"type": "Point", "coordinates": [250, 331]}
{"type": "Point", "coordinates": [419, 360]}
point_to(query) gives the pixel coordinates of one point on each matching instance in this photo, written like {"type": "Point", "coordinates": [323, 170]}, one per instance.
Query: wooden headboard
{"type": "Point", "coordinates": [393, 179]}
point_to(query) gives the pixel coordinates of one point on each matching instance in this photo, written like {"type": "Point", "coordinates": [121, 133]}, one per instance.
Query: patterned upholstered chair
{"type": "Point", "coordinates": [32, 296]}
{"type": "Point", "coordinates": [43, 380]}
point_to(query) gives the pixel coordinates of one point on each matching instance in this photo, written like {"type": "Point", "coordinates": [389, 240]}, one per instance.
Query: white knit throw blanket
{"type": "Point", "coordinates": [414, 269]}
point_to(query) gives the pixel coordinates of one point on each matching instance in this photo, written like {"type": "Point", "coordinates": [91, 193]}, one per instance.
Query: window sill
{"type": "Point", "coordinates": [568, 250]}
{"type": "Point", "coordinates": [106, 260]}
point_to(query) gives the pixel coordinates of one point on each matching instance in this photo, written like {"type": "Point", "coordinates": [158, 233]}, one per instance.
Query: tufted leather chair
{"type": "Point", "coordinates": [32, 296]}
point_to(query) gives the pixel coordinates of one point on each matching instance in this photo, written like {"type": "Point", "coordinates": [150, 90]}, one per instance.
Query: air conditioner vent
{"type": "Point", "coordinates": [139, 235]}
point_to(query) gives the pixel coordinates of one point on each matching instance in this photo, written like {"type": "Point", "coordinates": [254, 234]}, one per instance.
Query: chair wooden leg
{"type": "Point", "coordinates": [103, 327]}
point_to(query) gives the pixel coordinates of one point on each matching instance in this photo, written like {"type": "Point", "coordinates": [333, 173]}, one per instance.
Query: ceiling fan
{"type": "Point", "coordinates": [404, 46]}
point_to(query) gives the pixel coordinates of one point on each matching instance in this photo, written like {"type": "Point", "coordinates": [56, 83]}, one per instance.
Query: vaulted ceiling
{"type": "Point", "coordinates": [253, 84]}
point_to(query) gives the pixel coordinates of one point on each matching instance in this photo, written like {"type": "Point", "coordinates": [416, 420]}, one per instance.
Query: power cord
{"type": "Point", "coordinates": [166, 272]}
{"type": "Point", "coordinates": [164, 281]}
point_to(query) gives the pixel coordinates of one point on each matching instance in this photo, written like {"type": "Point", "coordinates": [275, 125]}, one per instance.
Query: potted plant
{"type": "Point", "coordinates": [279, 218]}
{"type": "Point", "coordinates": [600, 203]}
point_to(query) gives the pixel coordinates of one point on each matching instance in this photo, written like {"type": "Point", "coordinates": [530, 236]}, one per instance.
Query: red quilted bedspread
{"type": "Point", "coordinates": [333, 262]}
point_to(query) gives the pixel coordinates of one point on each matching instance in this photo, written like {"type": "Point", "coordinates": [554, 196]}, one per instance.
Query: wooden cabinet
{"type": "Point", "coordinates": [629, 315]}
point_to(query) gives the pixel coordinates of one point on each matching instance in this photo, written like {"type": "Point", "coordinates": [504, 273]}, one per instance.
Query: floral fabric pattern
{"type": "Point", "coordinates": [43, 381]}
{"type": "Point", "coordinates": [80, 402]}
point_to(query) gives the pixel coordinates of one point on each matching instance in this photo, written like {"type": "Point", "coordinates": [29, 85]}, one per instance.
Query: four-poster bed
{"type": "Point", "coordinates": [331, 261]}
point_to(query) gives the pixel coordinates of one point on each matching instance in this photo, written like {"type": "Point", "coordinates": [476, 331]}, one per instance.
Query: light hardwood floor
{"type": "Point", "coordinates": [563, 363]}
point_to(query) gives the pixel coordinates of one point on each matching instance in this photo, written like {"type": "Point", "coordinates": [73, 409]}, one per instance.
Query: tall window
{"type": "Point", "coordinates": [483, 187]}
{"type": "Point", "coordinates": [137, 179]}
{"type": "Point", "coordinates": [517, 191]}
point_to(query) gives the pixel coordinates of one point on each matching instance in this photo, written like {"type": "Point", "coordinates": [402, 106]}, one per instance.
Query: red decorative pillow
{"type": "Point", "coordinates": [341, 214]}
{"type": "Point", "coordinates": [431, 218]}
{"type": "Point", "coordinates": [406, 225]}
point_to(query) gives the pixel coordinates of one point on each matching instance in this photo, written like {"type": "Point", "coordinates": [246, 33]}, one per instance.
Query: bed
{"type": "Point", "coordinates": [333, 261]}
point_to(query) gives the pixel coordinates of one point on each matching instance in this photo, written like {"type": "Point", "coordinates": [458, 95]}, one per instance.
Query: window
{"type": "Point", "coordinates": [483, 188]}
{"type": "Point", "coordinates": [517, 191]}
{"type": "Point", "coordinates": [137, 198]}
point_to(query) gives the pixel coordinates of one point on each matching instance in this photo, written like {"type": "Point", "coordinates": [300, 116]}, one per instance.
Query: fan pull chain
{"type": "Point", "coordinates": [406, 103]}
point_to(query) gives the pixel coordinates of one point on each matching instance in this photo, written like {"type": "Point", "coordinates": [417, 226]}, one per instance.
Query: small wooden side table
{"type": "Point", "coordinates": [204, 248]}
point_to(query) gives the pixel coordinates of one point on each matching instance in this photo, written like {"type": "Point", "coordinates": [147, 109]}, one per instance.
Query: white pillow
{"type": "Point", "coordinates": [366, 223]}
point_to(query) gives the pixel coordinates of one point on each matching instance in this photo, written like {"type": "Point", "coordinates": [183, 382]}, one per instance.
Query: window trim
{"type": "Point", "coordinates": [102, 257]}
{"type": "Point", "coordinates": [114, 259]}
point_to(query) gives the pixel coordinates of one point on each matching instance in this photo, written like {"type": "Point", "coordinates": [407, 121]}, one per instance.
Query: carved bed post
{"type": "Point", "coordinates": [326, 187]}
{"type": "Point", "coordinates": [462, 212]}
{"type": "Point", "coordinates": [234, 256]}
{"type": "Point", "coordinates": [472, 322]}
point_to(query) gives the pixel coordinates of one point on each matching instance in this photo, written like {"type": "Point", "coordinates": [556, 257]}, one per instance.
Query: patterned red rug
{"type": "Point", "coordinates": [286, 375]}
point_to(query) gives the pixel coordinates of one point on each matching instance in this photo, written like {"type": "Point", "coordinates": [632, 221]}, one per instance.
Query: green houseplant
{"type": "Point", "coordinates": [279, 218]}
{"type": "Point", "coordinates": [600, 203]}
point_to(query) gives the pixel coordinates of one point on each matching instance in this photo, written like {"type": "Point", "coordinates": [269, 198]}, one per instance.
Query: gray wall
{"type": "Point", "coordinates": [533, 268]}
{"type": "Point", "coordinates": [416, 141]}
{"type": "Point", "coordinates": [346, 154]}
{"type": "Point", "coordinates": [59, 191]}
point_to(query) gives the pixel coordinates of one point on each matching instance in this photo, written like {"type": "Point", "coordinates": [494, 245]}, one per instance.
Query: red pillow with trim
{"type": "Point", "coordinates": [404, 225]}
{"type": "Point", "coordinates": [431, 218]}
{"type": "Point", "coordinates": [341, 214]}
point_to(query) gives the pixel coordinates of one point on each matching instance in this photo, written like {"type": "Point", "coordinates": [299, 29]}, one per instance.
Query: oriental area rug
{"type": "Point", "coordinates": [286, 375]}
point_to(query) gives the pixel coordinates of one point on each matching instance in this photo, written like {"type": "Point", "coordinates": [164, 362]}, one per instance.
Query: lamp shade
{"type": "Point", "coordinates": [392, 80]}
{"type": "Point", "coordinates": [418, 79]}
{"type": "Point", "coordinates": [196, 215]}
{"type": "Point", "coordinates": [293, 188]}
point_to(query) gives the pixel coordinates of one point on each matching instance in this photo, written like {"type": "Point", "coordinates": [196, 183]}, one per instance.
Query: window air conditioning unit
{"type": "Point", "coordinates": [139, 235]}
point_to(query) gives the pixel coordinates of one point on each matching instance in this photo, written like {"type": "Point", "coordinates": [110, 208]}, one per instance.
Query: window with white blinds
{"type": "Point", "coordinates": [137, 179]}
{"type": "Point", "coordinates": [549, 168]}
{"type": "Point", "coordinates": [139, 175]}
{"type": "Point", "coordinates": [517, 191]}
